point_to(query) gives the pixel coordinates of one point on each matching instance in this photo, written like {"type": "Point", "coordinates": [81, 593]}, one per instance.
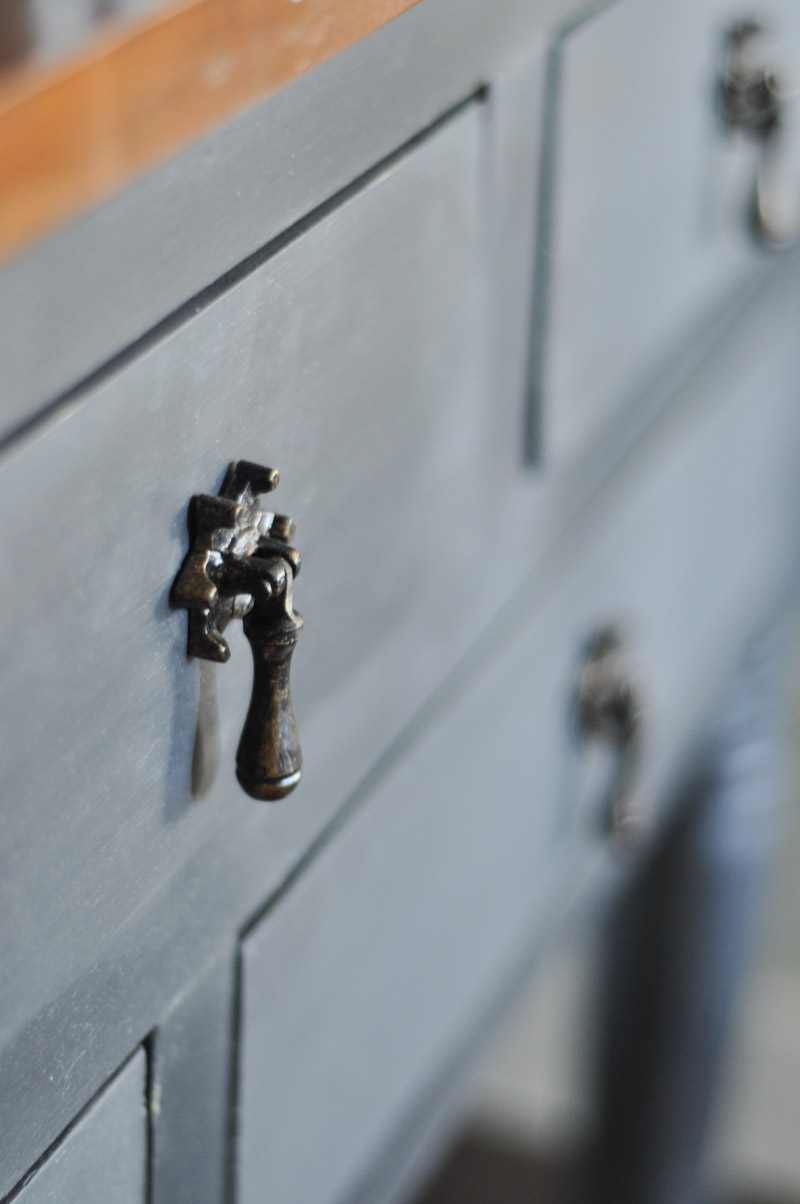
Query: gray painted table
{"type": "Point", "coordinates": [482, 289]}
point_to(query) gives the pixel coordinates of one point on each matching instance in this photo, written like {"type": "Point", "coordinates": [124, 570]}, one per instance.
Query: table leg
{"type": "Point", "coordinates": [677, 946]}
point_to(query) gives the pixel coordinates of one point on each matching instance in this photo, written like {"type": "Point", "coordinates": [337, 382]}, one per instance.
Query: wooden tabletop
{"type": "Point", "coordinates": [73, 134]}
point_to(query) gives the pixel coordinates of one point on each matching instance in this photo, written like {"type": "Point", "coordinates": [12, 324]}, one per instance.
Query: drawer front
{"type": "Point", "coordinates": [353, 361]}
{"type": "Point", "coordinates": [359, 986]}
{"type": "Point", "coordinates": [367, 976]}
{"type": "Point", "coordinates": [648, 226]}
{"type": "Point", "coordinates": [100, 283]}
{"type": "Point", "coordinates": [104, 1154]}
{"type": "Point", "coordinates": [699, 545]}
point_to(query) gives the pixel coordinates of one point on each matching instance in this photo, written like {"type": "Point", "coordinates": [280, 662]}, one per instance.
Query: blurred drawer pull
{"type": "Point", "coordinates": [607, 706]}
{"type": "Point", "coordinates": [632, 276]}
{"type": "Point", "coordinates": [752, 101]}
{"type": "Point", "coordinates": [240, 565]}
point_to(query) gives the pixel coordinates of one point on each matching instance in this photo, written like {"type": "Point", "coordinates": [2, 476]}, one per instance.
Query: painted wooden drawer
{"type": "Point", "coordinates": [647, 232]}
{"type": "Point", "coordinates": [353, 360]}
{"type": "Point", "coordinates": [360, 983]}
{"type": "Point", "coordinates": [103, 1156]}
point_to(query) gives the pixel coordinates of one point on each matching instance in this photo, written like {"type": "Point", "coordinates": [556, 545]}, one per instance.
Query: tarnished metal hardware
{"type": "Point", "coordinates": [241, 565]}
{"type": "Point", "coordinates": [607, 707]}
{"type": "Point", "coordinates": [752, 101]}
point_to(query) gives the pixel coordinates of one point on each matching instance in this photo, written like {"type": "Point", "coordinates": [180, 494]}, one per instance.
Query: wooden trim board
{"type": "Point", "coordinates": [73, 135]}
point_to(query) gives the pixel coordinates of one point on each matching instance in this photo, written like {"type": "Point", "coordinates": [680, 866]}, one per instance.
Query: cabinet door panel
{"type": "Point", "coordinates": [104, 1155]}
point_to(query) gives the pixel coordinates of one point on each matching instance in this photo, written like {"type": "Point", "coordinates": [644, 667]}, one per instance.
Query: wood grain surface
{"type": "Point", "coordinates": [72, 135]}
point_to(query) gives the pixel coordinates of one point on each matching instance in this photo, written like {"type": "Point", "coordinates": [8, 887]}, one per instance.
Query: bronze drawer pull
{"type": "Point", "coordinates": [607, 707]}
{"type": "Point", "coordinates": [241, 565]}
{"type": "Point", "coordinates": [751, 100]}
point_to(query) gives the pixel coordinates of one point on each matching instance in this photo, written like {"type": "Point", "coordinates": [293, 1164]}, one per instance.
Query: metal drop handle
{"type": "Point", "coordinates": [269, 761]}
{"type": "Point", "coordinates": [241, 565]}
{"type": "Point", "coordinates": [752, 101]}
{"type": "Point", "coordinates": [607, 707]}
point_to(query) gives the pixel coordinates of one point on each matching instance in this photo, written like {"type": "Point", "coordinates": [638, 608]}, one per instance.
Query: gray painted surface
{"type": "Point", "coordinates": [366, 972]}
{"type": "Point", "coordinates": [79, 297]}
{"type": "Point", "coordinates": [85, 1028]}
{"type": "Point", "coordinates": [380, 955]}
{"type": "Point", "coordinates": [161, 880]}
{"type": "Point", "coordinates": [380, 362]}
{"type": "Point", "coordinates": [648, 207]}
{"type": "Point", "coordinates": [104, 1155]}
{"type": "Point", "coordinates": [356, 362]}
